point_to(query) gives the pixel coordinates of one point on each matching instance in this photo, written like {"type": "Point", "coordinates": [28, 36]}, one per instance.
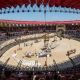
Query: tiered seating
{"type": "Point", "coordinates": [65, 74]}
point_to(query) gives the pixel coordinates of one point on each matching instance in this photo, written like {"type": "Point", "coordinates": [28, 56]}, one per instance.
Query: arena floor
{"type": "Point", "coordinates": [58, 54]}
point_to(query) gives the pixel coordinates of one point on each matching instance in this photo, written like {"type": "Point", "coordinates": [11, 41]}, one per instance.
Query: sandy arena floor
{"type": "Point", "coordinates": [58, 53]}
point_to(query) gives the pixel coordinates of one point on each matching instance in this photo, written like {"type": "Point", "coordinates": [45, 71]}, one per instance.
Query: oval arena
{"type": "Point", "coordinates": [31, 52]}
{"type": "Point", "coordinates": [52, 47]}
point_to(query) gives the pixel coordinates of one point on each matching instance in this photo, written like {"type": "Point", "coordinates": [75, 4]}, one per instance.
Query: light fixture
{"type": "Point", "coordinates": [28, 10]}
{"type": "Point", "coordinates": [13, 11]}
{"type": "Point", "coordinates": [17, 10]}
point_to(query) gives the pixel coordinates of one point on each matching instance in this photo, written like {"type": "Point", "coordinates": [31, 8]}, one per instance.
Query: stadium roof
{"type": "Point", "coordinates": [39, 22]}
{"type": "Point", "coordinates": [63, 3]}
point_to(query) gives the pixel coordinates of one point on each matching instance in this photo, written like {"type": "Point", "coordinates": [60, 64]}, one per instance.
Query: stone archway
{"type": "Point", "coordinates": [60, 30]}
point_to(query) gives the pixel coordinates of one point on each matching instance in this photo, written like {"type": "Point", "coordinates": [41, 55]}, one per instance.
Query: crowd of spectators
{"type": "Point", "coordinates": [68, 74]}
{"type": "Point", "coordinates": [71, 30]}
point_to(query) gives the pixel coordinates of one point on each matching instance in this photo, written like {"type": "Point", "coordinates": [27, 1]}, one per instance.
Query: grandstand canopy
{"type": "Point", "coordinates": [63, 3]}
{"type": "Point", "coordinates": [15, 6]}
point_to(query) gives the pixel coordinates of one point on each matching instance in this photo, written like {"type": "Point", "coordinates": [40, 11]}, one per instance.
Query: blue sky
{"type": "Point", "coordinates": [39, 16]}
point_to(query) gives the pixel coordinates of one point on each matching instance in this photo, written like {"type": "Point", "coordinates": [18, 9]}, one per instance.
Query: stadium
{"type": "Point", "coordinates": [40, 50]}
